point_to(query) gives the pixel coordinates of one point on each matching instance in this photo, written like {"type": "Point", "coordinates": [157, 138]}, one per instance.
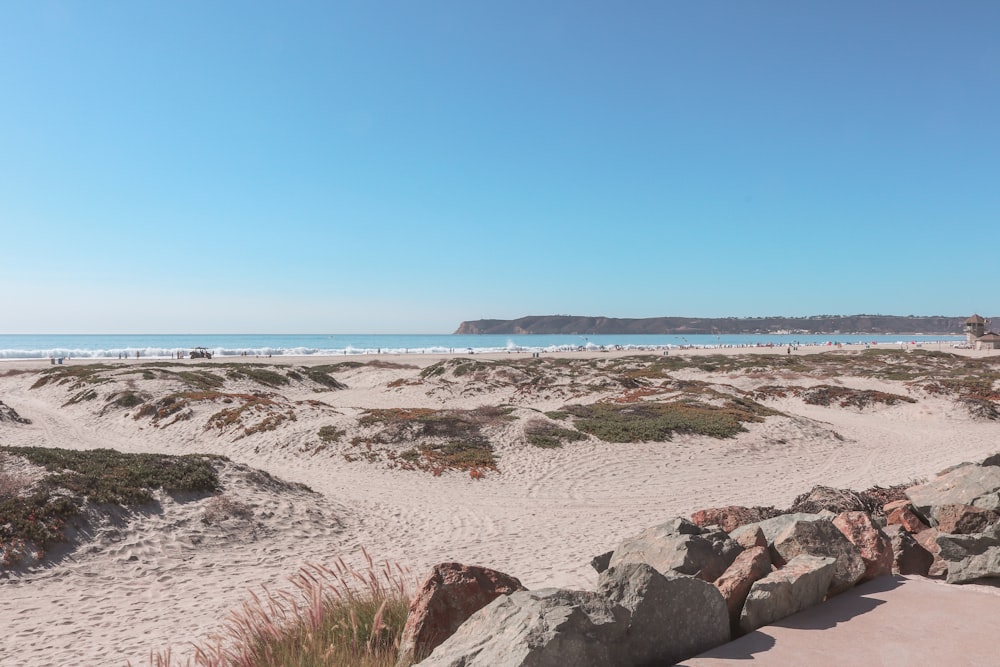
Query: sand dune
{"type": "Point", "coordinates": [152, 579]}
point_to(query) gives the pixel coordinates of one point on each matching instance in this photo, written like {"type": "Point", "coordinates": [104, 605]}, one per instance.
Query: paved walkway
{"type": "Point", "coordinates": [889, 622]}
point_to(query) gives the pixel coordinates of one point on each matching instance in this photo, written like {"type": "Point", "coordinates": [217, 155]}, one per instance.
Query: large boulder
{"type": "Point", "coordinates": [450, 595]}
{"type": "Point", "coordinates": [549, 627]}
{"type": "Point", "coordinates": [965, 519]}
{"type": "Point", "coordinates": [971, 557]}
{"type": "Point", "coordinates": [821, 538]}
{"type": "Point", "coordinates": [908, 556]}
{"type": "Point", "coordinates": [673, 618]}
{"type": "Point", "coordinates": [874, 547]}
{"type": "Point", "coordinates": [802, 583]}
{"type": "Point", "coordinates": [680, 547]}
{"type": "Point", "coordinates": [735, 582]}
{"type": "Point", "coordinates": [965, 485]}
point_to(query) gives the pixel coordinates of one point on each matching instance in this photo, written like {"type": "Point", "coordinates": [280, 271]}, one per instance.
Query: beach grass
{"type": "Point", "coordinates": [333, 616]}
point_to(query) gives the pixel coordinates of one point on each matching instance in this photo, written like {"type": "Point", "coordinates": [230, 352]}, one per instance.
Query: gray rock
{"type": "Point", "coordinates": [771, 527]}
{"type": "Point", "coordinates": [669, 550]}
{"type": "Point", "coordinates": [673, 618]}
{"type": "Point", "coordinates": [602, 562]}
{"type": "Point", "coordinates": [971, 557]}
{"type": "Point", "coordinates": [822, 538]}
{"type": "Point", "coordinates": [802, 583]}
{"type": "Point", "coordinates": [545, 628]}
{"type": "Point", "coordinates": [961, 486]}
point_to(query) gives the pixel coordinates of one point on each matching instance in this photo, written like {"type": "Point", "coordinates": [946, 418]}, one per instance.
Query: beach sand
{"type": "Point", "coordinates": [163, 578]}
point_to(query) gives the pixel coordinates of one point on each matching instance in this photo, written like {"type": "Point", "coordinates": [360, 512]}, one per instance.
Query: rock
{"type": "Point", "coordinates": [821, 538]}
{"type": "Point", "coordinates": [771, 527]}
{"type": "Point", "coordinates": [550, 627]}
{"type": "Point", "coordinates": [904, 516]}
{"type": "Point", "coordinates": [449, 596]}
{"type": "Point", "coordinates": [602, 562]}
{"type": "Point", "coordinates": [874, 547]}
{"type": "Point", "coordinates": [732, 516]}
{"type": "Point", "coordinates": [964, 485]}
{"type": "Point", "coordinates": [992, 460]}
{"type": "Point", "coordinates": [830, 499]}
{"type": "Point", "coordinates": [965, 519]}
{"type": "Point", "coordinates": [673, 618]}
{"type": "Point", "coordinates": [735, 582]}
{"type": "Point", "coordinates": [802, 583]}
{"type": "Point", "coordinates": [895, 504]}
{"type": "Point", "coordinates": [668, 550]}
{"type": "Point", "coordinates": [928, 540]}
{"type": "Point", "coordinates": [908, 556]}
{"type": "Point", "coordinates": [971, 557]}
{"type": "Point", "coordinates": [750, 539]}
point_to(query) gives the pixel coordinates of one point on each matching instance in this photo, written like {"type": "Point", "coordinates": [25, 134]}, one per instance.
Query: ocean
{"type": "Point", "coordinates": [166, 346]}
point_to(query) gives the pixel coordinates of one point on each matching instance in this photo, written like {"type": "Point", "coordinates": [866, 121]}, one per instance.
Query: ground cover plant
{"type": "Point", "coordinates": [434, 439]}
{"type": "Point", "coordinates": [827, 395]}
{"type": "Point", "coordinates": [33, 516]}
{"type": "Point", "coordinates": [658, 421]}
{"type": "Point", "coordinates": [548, 435]}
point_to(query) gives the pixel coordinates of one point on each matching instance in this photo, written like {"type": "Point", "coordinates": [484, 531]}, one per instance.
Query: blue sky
{"type": "Point", "coordinates": [394, 167]}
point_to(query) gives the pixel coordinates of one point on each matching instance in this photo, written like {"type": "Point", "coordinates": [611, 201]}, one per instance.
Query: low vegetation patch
{"type": "Point", "coordinates": [827, 395]}
{"type": "Point", "coordinates": [443, 438]}
{"type": "Point", "coordinates": [547, 435]}
{"type": "Point", "coordinates": [33, 516]}
{"type": "Point", "coordinates": [650, 421]}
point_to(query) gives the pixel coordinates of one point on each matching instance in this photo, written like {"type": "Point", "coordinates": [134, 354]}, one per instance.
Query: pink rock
{"type": "Point", "coordinates": [965, 519]}
{"type": "Point", "coordinates": [451, 594]}
{"type": "Point", "coordinates": [928, 540]}
{"type": "Point", "coordinates": [731, 517]}
{"type": "Point", "coordinates": [895, 504]}
{"type": "Point", "coordinates": [735, 582]}
{"type": "Point", "coordinates": [875, 547]}
{"type": "Point", "coordinates": [905, 517]}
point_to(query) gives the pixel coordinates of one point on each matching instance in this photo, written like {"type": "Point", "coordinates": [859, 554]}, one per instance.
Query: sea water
{"type": "Point", "coordinates": [166, 346]}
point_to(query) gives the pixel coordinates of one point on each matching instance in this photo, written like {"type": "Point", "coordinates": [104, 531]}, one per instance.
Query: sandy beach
{"type": "Point", "coordinates": [164, 577]}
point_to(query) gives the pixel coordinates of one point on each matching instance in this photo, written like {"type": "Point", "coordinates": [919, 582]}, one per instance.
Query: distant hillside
{"type": "Point", "coordinates": [818, 324]}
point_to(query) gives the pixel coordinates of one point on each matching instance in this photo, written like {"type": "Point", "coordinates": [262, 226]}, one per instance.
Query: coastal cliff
{"type": "Point", "coordinates": [818, 324]}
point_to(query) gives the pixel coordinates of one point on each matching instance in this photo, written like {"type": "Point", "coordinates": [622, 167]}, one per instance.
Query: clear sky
{"type": "Point", "coordinates": [398, 167]}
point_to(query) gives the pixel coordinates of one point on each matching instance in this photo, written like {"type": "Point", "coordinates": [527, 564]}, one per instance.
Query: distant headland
{"type": "Point", "coordinates": [816, 324]}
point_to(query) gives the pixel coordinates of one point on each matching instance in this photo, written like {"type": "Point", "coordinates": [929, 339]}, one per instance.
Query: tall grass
{"type": "Point", "coordinates": [331, 617]}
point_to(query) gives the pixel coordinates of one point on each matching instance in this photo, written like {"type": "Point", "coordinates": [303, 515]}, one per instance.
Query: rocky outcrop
{"type": "Point", "coordinates": [679, 547]}
{"type": "Point", "coordinates": [802, 583]}
{"type": "Point", "coordinates": [672, 618]}
{"type": "Point", "coordinates": [449, 596]}
{"type": "Point", "coordinates": [654, 604]}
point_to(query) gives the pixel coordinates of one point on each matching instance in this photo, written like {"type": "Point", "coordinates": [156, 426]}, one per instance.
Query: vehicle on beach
{"type": "Point", "coordinates": [201, 353]}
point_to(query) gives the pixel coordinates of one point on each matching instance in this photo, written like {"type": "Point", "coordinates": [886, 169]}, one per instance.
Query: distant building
{"type": "Point", "coordinates": [990, 341]}
{"type": "Point", "coordinates": [975, 328]}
